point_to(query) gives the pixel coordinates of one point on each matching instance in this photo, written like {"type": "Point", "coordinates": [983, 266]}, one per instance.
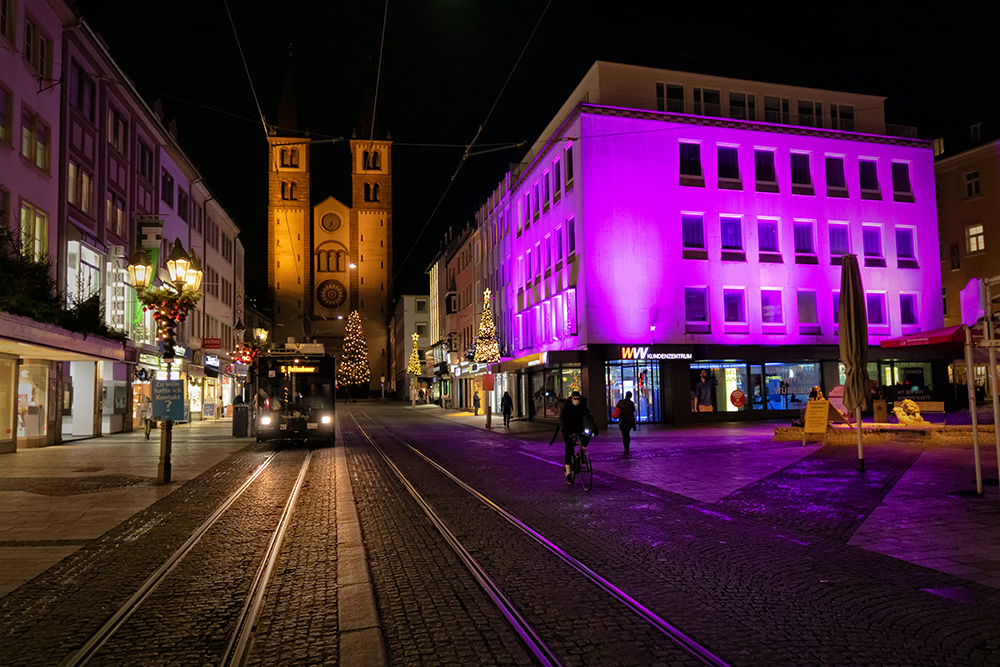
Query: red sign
{"type": "Point", "coordinates": [738, 398]}
{"type": "Point", "coordinates": [213, 344]}
{"type": "Point", "coordinates": [487, 381]}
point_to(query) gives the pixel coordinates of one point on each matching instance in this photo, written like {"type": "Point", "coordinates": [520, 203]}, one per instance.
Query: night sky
{"type": "Point", "coordinates": [445, 63]}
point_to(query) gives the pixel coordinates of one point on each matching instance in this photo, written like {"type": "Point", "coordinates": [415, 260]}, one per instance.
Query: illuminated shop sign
{"type": "Point", "coordinates": [211, 360]}
{"type": "Point", "coordinates": [645, 353]}
{"type": "Point", "coordinates": [298, 369]}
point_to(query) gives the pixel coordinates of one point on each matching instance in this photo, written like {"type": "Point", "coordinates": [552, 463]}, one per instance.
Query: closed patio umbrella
{"type": "Point", "coordinates": [853, 324]}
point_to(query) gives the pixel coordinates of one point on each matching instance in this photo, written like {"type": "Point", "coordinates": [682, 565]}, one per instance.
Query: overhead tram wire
{"type": "Point", "coordinates": [378, 78]}
{"type": "Point", "coordinates": [239, 46]}
{"type": "Point", "coordinates": [468, 149]}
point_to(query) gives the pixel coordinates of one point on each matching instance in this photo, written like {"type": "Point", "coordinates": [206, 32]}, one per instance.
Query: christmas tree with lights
{"type": "Point", "coordinates": [487, 345]}
{"type": "Point", "coordinates": [414, 366]}
{"type": "Point", "coordinates": [354, 361]}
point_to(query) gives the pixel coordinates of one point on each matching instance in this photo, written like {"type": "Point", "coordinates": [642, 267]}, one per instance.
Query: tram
{"type": "Point", "coordinates": [295, 393]}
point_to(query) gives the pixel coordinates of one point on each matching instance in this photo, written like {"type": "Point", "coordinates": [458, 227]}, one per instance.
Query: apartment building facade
{"type": "Point", "coordinates": [667, 223]}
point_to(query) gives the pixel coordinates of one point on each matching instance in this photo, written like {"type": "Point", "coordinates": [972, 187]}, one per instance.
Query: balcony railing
{"type": "Point", "coordinates": [745, 114]}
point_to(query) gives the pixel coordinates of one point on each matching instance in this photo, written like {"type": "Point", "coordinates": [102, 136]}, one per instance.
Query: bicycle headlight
{"type": "Point", "coordinates": [265, 420]}
{"type": "Point", "coordinates": [586, 431]}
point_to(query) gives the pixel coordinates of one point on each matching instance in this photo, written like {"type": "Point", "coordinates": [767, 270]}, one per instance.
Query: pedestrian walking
{"type": "Point", "coordinates": [475, 404]}
{"type": "Point", "coordinates": [146, 413]}
{"type": "Point", "coordinates": [626, 419]}
{"type": "Point", "coordinates": [507, 408]}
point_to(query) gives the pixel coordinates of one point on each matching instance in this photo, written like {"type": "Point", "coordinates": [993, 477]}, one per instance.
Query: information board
{"type": "Point", "coordinates": [168, 400]}
{"type": "Point", "coordinates": [816, 419]}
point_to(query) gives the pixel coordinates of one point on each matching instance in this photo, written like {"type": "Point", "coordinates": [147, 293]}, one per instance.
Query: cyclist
{"type": "Point", "coordinates": [577, 425]}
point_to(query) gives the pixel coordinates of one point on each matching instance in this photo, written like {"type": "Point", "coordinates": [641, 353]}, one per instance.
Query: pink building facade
{"type": "Point", "coordinates": [641, 245]}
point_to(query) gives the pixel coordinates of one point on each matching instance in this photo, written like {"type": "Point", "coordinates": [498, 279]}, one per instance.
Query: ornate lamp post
{"type": "Point", "coordinates": [170, 304]}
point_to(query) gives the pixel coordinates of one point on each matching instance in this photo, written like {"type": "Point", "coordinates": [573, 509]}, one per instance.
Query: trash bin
{"type": "Point", "coordinates": [241, 420]}
{"type": "Point", "coordinates": [880, 411]}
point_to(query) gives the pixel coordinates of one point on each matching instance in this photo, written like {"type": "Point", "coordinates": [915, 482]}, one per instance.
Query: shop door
{"type": "Point", "coordinates": [758, 388]}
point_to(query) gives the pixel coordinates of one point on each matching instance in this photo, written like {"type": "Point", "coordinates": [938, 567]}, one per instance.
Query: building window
{"type": "Point", "coordinates": [421, 306]}
{"type": "Point", "coordinates": [807, 307]}
{"type": "Point", "coordinates": [81, 92]}
{"type": "Point", "coordinates": [693, 231]}
{"type": "Point", "coordinates": [690, 162]}
{"type": "Point", "coordinates": [904, 243]}
{"type": "Point", "coordinates": [976, 132]}
{"type": "Point", "coordinates": [872, 237]}
{"type": "Point", "coordinates": [742, 106]}
{"type": "Point", "coordinates": [167, 188]}
{"type": "Point", "coordinates": [836, 181]}
{"type": "Point", "coordinates": [972, 184]}
{"type": "Point", "coordinates": [803, 232]}
{"type": "Point", "coordinates": [568, 160]}
{"type": "Point", "coordinates": [538, 260]}
{"type": "Point", "coordinates": [944, 300]}
{"type": "Point", "coordinates": [776, 110]}
{"type": "Point", "coordinates": [956, 257]}
{"type": "Point", "coordinates": [975, 239]}
{"type": "Point", "coordinates": [767, 235]}
{"type": "Point", "coordinates": [37, 50]}
{"type": "Point", "coordinates": [876, 308]}
{"type": "Point", "coordinates": [117, 131]}
{"type": "Point", "coordinates": [840, 240]}
{"type": "Point", "coordinates": [35, 139]}
{"type": "Point", "coordinates": [729, 166]}
{"type": "Point", "coordinates": [712, 100]}
{"type": "Point", "coordinates": [764, 169]}
{"type": "Point", "coordinates": [669, 98]}
{"type": "Point", "coordinates": [547, 193]}
{"type": "Point", "coordinates": [548, 254]}
{"type": "Point", "coordinates": [901, 188]}
{"type": "Point", "coordinates": [7, 18]}
{"type": "Point", "coordinates": [696, 305]}
{"type": "Point", "coordinates": [868, 171]}
{"type": "Point", "coordinates": [114, 218]}
{"type": "Point", "coordinates": [537, 209]}
{"type": "Point", "coordinates": [801, 176]}
{"type": "Point", "coordinates": [556, 179]}
{"type": "Point", "coordinates": [557, 243]}
{"type": "Point", "coordinates": [939, 146]}
{"type": "Point", "coordinates": [183, 201]}
{"type": "Point", "coordinates": [570, 238]}
{"type": "Point", "coordinates": [732, 233]}
{"type": "Point", "coordinates": [34, 232]}
{"type": "Point", "coordinates": [908, 309]}
{"type": "Point", "coordinates": [80, 187]}
{"type": "Point", "coordinates": [770, 306]}
{"type": "Point", "coordinates": [6, 115]}
{"type": "Point", "coordinates": [145, 161]}
{"type": "Point", "coordinates": [527, 210]}
{"type": "Point", "coordinates": [810, 113]}
{"type": "Point", "coordinates": [842, 117]}
{"type": "Point", "coordinates": [733, 304]}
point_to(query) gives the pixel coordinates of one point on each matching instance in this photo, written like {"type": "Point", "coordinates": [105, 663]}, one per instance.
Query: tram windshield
{"type": "Point", "coordinates": [295, 392]}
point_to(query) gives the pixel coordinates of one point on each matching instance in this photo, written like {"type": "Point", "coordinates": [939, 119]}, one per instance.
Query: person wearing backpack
{"type": "Point", "coordinates": [624, 412]}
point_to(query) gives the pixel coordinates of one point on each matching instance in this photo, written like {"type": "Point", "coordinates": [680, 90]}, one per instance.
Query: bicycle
{"type": "Point", "coordinates": [581, 466]}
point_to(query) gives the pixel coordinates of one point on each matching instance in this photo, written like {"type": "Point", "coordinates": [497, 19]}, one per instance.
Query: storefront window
{"type": "Point", "coordinates": [900, 380]}
{"type": "Point", "coordinates": [771, 386]}
{"type": "Point", "coordinates": [194, 396]}
{"type": "Point", "coordinates": [8, 369]}
{"type": "Point", "coordinates": [643, 380]}
{"type": "Point", "coordinates": [549, 388]}
{"type": "Point", "coordinates": [32, 399]}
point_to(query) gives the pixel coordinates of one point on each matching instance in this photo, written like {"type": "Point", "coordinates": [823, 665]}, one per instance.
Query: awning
{"type": "Point", "coordinates": [943, 336]}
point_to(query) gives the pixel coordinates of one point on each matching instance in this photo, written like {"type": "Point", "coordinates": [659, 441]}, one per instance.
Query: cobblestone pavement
{"type": "Point", "coordinates": [756, 577]}
{"type": "Point", "coordinates": [49, 617]}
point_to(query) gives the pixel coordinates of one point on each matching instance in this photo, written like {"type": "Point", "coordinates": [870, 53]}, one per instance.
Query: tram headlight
{"type": "Point", "coordinates": [326, 419]}
{"type": "Point", "coordinates": [265, 421]}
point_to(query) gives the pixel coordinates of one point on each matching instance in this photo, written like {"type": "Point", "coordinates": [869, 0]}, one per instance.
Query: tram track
{"type": "Point", "coordinates": [533, 638]}
{"type": "Point", "coordinates": [240, 640]}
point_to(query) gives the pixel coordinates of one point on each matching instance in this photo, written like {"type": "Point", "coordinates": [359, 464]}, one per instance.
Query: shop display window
{"type": "Point", "coordinates": [32, 400]}
{"type": "Point", "coordinates": [642, 379]}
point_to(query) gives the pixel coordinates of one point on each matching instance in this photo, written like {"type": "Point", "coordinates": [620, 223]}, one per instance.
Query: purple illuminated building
{"type": "Point", "coordinates": [668, 223]}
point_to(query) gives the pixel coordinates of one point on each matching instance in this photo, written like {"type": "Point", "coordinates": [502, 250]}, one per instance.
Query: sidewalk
{"type": "Point", "coordinates": [55, 499]}
{"type": "Point", "coordinates": [924, 509]}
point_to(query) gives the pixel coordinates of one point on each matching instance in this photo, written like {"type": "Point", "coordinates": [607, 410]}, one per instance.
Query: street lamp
{"type": "Point", "coordinates": [261, 334]}
{"type": "Point", "coordinates": [170, 304]}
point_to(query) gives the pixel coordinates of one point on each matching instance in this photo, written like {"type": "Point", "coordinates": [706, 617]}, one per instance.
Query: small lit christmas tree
{"type": "Point", "coordinates": [487, 345]}
{"type": "Point", "coordinates": [354, 361]}
{"type": "Point", "coordinates": [414, 366]}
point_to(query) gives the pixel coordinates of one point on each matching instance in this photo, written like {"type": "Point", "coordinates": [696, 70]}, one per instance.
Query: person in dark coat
{"type": "Point", "coordinates": [475, 404]}
{"type": "Point", "coordinates": [574, 420]}
{"type": "Point", "coordinates": [507, 408]}
{"type": "Point", "coordinates": [626, 420]}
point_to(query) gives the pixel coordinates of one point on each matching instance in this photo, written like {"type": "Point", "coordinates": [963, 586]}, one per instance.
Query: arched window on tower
{"type": "Point", "coordinates": [340, 261]}
{"type": "Point", "coordinates": [368, 191]}
{"type": "Point", "coordinates": [365, 161]}
{"type": "Point", "coordinates": [375, 192]}
{"type": "Point", "coordinates": [291, 190]}
{"type": "Point", "coordinates": [293, 158]}
{"type": "Point", "coordinates": [376, 161]}
{"type": "Point", "coordinates": [284, 157]}
{"type": "Point", "coordinates": [322, 261]}
{"type": "Point", "coordinates": [284, 190]}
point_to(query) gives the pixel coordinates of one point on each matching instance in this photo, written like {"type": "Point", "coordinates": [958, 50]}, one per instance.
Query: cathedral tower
{"type": "Point", "coordinates": [289, 223]}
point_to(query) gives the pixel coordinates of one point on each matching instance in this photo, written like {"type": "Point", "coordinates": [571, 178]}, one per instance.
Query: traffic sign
{"type": "Point", "coordinates": [168, 400]}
